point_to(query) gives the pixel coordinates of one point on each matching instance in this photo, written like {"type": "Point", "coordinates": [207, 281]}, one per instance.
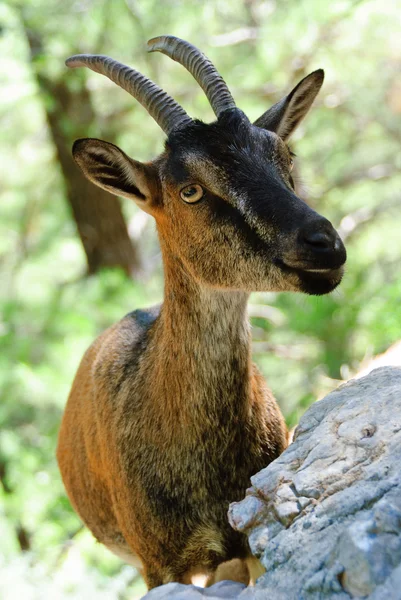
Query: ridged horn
{"type": "Point", "coordinates": [200, 68]}
{"type": "Point", "coordinates": [167, 113]}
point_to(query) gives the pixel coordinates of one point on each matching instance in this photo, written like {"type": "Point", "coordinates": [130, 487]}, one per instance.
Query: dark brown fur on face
{"type": "Point", "coordinates": [168, 418]}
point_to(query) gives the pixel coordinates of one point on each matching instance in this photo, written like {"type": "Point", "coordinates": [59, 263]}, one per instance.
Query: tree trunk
{"type": "Point", "coordinates": [97, 213]}
{"type": "Point", "coordinates": [98, 216]}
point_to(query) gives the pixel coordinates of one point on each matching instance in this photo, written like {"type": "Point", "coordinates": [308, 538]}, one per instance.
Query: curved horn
{"type": "Point", "coordinates": [199, 66]}
{"type": "Point", "coordinates": [167, 113]}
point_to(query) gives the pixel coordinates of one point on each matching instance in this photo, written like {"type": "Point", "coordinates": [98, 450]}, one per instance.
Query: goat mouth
{"type": "Point", "coordinates": [317, 270]}
{"type": "Point", "coordinates": [314, 281]}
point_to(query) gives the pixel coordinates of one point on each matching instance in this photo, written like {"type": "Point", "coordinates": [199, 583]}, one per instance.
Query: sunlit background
{"type": "Point", "coordinates": [347, 166]}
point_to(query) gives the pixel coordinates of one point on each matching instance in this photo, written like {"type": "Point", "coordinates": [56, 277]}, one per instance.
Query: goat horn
{"type": "Point", "coordinates": [167, 113]}
{"type": "Point", "coordinates": [200, 68]}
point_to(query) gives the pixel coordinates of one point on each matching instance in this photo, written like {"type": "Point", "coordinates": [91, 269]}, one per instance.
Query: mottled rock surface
{"type": "Point", "coordinates": [227, 590]}
{"type": "Point", "coordinates": [325, 517]}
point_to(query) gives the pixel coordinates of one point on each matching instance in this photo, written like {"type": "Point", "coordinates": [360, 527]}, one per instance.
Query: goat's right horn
{"type": "Point", "coordinates": [167, 113]}
{"type": "Point", "coordinates": [200, 68]}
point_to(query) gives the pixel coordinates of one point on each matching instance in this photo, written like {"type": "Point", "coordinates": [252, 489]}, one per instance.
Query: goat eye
{"type": "Point", "coordinates": [291, 164]}
{"type": "Point", "coordinates": [192, 193]}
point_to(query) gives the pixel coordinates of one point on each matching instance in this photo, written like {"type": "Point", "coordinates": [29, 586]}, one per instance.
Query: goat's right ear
{"type": "Point", "coordinates": [111, 169]}
{"type": "Point", "coordinates": [284, 117]}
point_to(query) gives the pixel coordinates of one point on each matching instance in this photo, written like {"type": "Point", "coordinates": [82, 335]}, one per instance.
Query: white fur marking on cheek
{"type": "Point", "coordinates": [214, 178]}
{"type": "Point", "coordinates": [244, 206]}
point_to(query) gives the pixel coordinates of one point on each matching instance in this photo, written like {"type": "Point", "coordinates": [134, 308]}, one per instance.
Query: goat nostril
{"type": "Point", "coordinates": [319, 239]}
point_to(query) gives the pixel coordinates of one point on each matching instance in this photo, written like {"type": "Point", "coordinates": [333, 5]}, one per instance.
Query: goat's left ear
{"type": "Point", "coordinates": [284, 117]}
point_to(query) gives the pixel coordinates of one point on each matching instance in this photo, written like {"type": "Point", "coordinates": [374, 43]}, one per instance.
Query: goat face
{"type": "Point", "coordinates": [221, 194]}
{"type": "Point", "coordinates": [229, 211]}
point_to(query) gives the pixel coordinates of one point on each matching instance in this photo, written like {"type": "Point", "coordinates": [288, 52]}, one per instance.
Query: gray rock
{"type": "Point", "coordinates": [327, 522]}
{"type": "Point", "coordinates": [325, 517]}
{"type": "Point", "coordinates": [224, 590]}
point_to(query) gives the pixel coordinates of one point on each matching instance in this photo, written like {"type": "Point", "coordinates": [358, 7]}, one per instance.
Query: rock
{"type": "Point", "coordinates": [325, 517]}
{"type": "Point", "coordinates": [224, 590]}
{"type": "Point", "coordinates": [330, 525]}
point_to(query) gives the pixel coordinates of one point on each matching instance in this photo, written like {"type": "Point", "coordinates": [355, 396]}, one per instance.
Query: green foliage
{"type": "Point", "coordinates": [50, 312]}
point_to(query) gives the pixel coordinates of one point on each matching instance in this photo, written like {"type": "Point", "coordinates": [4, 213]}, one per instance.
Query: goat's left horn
{"type": "Point", "coordinates": [199, 66]}
{"type": "Point", "coordinates": [167, 113]}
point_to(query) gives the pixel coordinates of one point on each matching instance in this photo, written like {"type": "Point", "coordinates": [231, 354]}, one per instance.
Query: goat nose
{"type": "Point", "coordinates": [319, 239]}
{"type": "Point", "coordinates": [320, 236]}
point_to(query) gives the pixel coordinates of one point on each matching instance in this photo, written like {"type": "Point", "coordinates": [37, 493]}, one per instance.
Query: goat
{"type": "Point", "coordinates": [168, 418]}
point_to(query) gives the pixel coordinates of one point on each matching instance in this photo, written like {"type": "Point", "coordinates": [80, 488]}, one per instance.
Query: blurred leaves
{"type": "Point", "coordinates": [349, 161]}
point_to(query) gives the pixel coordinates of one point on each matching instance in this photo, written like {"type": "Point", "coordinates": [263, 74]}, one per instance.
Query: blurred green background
{"type": "Point", "coordinates": [72, 263]}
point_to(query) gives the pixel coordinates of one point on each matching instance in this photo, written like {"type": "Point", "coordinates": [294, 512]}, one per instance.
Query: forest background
{"type": "Point", "coordinates": [74, 259]}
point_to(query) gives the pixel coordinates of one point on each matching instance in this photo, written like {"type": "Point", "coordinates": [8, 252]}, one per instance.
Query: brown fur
{"type": "Point", "coordinates": [161, 451]}
{"type": "Point", "coordinates": [168, 418]}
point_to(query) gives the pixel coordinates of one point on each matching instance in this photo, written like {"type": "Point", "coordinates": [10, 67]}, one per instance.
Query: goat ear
{"type": "Point", "coordinates": [111, 169]}
{"type": "Point", "coordinates": [284, 117]}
